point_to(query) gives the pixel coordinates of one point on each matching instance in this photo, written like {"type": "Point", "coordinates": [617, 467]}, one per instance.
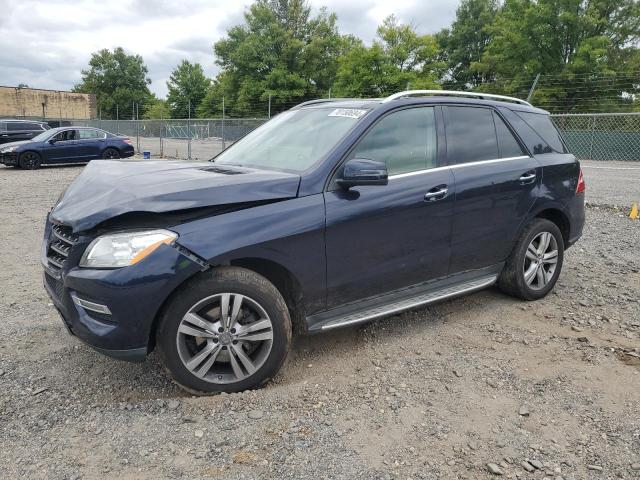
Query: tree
{"type": "Point", "coordinates": [580, 47]}
{"type": "Point", "coordinates": [158, 109]}
{"type": "Point", "coordinates": [398, 59]}
{"type": "Point", "coordinates": [281, 52]}
{"type": "Point", "coordinates": [464, 44]}
{"type": "Point", "coordinates": [187, 84]}
{"type": "Point", "coordinates": [118, 80]}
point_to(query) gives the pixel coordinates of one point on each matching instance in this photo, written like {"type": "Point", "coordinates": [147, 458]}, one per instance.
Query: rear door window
{"type": "Point", "coordinates": [542, 125]}
{"type": "Point", "coordinates": [507, 143]}
{"type": "Point", "coordinates": [85, 134]}
{"type": "Point", "coordinates": [471, 135]}
{"type": "Point", "coordinates": [34, 126]}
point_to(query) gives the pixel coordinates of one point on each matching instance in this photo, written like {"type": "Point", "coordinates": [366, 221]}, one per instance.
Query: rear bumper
{"type": "Point", "coordinates": [133, 297]}
{"type": "Point", "coordinates": [576, 211]}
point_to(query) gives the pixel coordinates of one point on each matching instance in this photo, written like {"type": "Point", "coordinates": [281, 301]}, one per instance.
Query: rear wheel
{"type": "Point", "coordinates": [111, 153]}
{"type": "Point", "coordinates": [227, 330]}
{"type": "Point", "coordinates": [30, 160]}
{"type": "Point", "coordinates": [532, 269]}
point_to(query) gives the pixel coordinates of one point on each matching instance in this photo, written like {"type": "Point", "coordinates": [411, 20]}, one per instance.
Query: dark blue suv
{"type": "Point", "coordinates": [334, 213]}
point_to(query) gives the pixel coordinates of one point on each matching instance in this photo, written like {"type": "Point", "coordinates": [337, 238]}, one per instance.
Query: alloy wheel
{"type": "Point", "coordinates": [540, 260]}
{"type": "Point", "coordinates": [224, 338]}
{"type": "Point", "coordinates": [29, 160]}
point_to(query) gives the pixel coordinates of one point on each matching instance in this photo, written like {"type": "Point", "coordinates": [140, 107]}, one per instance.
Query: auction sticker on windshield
{"type": "Point", "coordinates": [348, 112]}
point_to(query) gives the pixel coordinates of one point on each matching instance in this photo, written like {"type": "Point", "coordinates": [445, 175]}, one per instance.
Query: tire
{"type": "Point", "coordinates": [30, 160]}
{"type": "Point", "coordinates": [521, 276]}
{"type": "Point", "coordinates": [204, 360]}
{"type": "Point", "coordinates": [111, 153]}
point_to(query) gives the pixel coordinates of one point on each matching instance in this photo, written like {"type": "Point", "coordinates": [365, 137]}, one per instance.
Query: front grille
{"type": "Point", "coordinates": [61, 242]}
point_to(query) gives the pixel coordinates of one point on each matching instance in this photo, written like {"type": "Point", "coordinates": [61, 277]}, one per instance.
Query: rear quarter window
{"type": "Point", "coordinates": [544, 127]}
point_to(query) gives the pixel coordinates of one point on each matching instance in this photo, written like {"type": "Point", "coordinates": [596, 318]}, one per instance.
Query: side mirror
{"type": "Point", "coordinates": [52, 141]}
{"type": "Point", "coordinates": [360, 171]}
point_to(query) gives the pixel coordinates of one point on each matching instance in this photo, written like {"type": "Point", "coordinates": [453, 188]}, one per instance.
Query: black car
{"type": "Point", "coordinates": [334, 213]}
{"type": "Point", "coordinates": [18, 130]}
{"type": "Point", "coordinates": [65, 145]}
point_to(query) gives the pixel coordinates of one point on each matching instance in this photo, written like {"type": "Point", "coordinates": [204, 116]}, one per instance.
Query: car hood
{"type": "Point", "coordinates": [13, 144]}
{"type": "Point", "coordinates": [109, 188]}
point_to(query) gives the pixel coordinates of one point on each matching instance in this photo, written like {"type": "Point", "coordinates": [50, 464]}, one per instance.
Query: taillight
{"type": "Point", "coordinates": [581, 187]}
{"type": "Point", "coordinates": [126, 140]}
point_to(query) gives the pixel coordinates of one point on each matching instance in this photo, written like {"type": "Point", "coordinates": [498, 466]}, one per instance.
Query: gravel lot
{"type": "Point", "coordinates": [549, 389]}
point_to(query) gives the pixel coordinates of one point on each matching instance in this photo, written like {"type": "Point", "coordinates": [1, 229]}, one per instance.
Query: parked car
{"type": "Point", "coordinates": [65, 145]}
{"type": "Point", "coordinates": [332, 214]}
{"type": "Point", "coordinates": [19, 130]}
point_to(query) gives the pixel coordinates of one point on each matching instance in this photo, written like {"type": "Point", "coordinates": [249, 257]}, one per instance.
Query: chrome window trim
{"type": "Point", "coordinates": [459, 165]}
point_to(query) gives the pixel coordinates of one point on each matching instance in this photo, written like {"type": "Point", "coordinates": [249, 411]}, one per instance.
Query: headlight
{"type": "Point", "coordinates": [122, 249]}
{"type": "Point", "coordinates": [8, 150]}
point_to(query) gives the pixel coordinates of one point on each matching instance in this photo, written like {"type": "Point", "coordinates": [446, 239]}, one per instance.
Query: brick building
{"type": "Point", "coordinates": [48, 104]}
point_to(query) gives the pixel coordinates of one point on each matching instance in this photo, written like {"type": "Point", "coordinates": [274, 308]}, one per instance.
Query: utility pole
{"type": "Point", "coordinates": [533, 87]}
{"type": "Point", "coordinates": [269, 105]}
{"type": "Point", "coordinates": [329, 93]}
{"type": "Point", "coordinates": [117, 120]}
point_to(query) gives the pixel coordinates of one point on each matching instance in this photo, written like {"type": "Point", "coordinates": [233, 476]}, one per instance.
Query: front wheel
{"type": "Point", "coordinates": [227, 330]}
{"type": "Point", "coordinates": [532, 269]}
{"type": "Point", "coordinates": [30, 160]}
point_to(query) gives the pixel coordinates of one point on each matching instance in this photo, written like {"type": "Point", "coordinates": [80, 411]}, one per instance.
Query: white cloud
{"type": "Point", "coordinates": [46, 43]}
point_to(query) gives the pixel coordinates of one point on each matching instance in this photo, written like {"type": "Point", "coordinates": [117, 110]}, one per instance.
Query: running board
{"type": "Point", "coordinates": [397, 305]}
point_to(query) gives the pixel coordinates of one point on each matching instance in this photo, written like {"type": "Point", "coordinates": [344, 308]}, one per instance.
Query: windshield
{"type": "Point", "coordinates": [294, 140]}
{"type": "Point", "coordinates": [43, 136]}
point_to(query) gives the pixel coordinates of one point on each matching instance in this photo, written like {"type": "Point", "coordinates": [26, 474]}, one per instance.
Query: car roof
{"type": "Point", "coordinates": [375, 103]}
{"type": "Point", "coordinates": [21, 120]}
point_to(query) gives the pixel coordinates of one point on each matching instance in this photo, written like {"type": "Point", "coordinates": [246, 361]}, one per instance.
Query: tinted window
{"type": "Point", "coordinates": [405, 141]}
{"type": "Point", "coordinates": [471, 136]}
{"type": "Point", "coordinates": [3, 127]}
{"type": "Point", "coordinates": [87, 134]}
{"type": "Point", "coordinates": [508, 145]}
{"type": "Point", "coordinates": [17, 126]}
{"type": "Point", "coordinates": [65, 135]}
{"type": "Point", "coordinates": [541, 123]}
{"type": "Point", "coordinates": [34, 126]}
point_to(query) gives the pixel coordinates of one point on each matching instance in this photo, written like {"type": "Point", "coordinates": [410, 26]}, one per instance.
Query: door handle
{"type": "Point", "coordinates": [436, 193]}
{"type": "Point", "coordinates": [527, 177]}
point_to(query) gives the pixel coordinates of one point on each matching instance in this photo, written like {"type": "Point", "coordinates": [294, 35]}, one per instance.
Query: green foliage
{"type": "Point", "coordinates": [465, 42]}
{"type": "Point", "coordinates": [397, 60]}
{"type": "Point", "coordinates": [584, 44]}
{"type": "Point", "coordinates": [280, 51]}
{"type": "Point", "coordinates": [187, 84]}
{"type": "Point", "coordinates": [158, 109]}
{"type": "Point", "coordinates": [118, 80]}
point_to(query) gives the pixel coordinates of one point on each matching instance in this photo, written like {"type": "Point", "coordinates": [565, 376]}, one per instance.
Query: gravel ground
{"type": "Point", "coordinates": [547, 389]}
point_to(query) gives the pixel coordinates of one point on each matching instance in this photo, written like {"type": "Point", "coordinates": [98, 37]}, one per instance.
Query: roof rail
{"type": "Point", "coordinates": [317, 100]}
{"type": "Point", "coordinates": [454, 93]}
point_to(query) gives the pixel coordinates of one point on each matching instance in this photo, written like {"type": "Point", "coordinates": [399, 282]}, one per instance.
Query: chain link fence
{"type": "Point", "coordinates": [198, 139]}
{"type": "Point", "coordinates": [614, 136]}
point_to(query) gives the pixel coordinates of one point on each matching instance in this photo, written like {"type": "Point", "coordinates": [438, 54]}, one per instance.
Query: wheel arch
{"type": "Point", "coordinates": [559, 218]}
{"type": "Point", "coordinates": [284, 281]}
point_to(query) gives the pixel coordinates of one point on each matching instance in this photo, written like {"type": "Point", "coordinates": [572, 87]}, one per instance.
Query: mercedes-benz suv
{"type": "Point", "coordinates": [332, 214]}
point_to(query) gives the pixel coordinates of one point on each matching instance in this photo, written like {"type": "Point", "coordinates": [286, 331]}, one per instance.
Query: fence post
{"type": "Point", "coordinates": [593, 128]}
{"type": "Point", "coordinates": [533, 87]}
{"type": "Point", "coordinates": [189, 132]}
{"type": "Point", "coordinates": [269, 105]}
{"type": "Point", "coordinates": [137, 128]}
{"type": "Point", "coordinates": [117, 120]}
{"type": "Point", "coordinates": [223, 145]}
{"type": "Point", "coordinates": [161, 128]}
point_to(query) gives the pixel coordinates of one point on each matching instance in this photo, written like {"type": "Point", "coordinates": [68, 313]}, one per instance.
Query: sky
{"type": "Point", "coordinates": [47, 43]}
